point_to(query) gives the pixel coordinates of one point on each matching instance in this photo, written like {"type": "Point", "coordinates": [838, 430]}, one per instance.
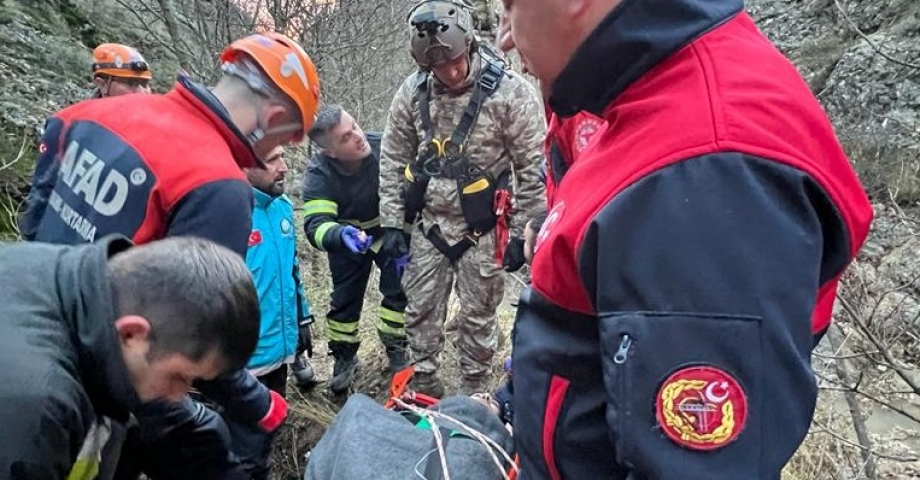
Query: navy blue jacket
{"type": "Point", "coordinates": [333, 198]}
{"type": "Point", "coordinates": [111, 166]}
{"type": "Point", "coordinates": [690, 258]}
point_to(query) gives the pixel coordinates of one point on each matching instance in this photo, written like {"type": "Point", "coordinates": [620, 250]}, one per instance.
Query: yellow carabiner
{"type": "Point", "coordinates": [439, 146]}
{"type": "Point", "coordinates": [450, 149]}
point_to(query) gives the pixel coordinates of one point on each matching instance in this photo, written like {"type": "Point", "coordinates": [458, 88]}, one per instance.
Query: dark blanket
{"type": "Point", "coordinates": [368, 441]}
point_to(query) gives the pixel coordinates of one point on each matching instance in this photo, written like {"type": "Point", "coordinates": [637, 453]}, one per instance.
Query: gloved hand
{"type": "Point", "coordinates": [356, 241]}
{"type": "Point", "coordinates": [394, 243]}
{"type": "Point", "coordinates": [514, 255]}
{"type": "Point", "coordinates": [304, 336]}
{"type": "Point", "coordinates": [401, 263]}
{"type": "Point", "coordinates": [277, 412]}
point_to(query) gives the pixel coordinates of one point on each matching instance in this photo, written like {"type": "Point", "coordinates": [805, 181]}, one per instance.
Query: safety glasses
{"type": "Point", "coordinates": [132, 82]}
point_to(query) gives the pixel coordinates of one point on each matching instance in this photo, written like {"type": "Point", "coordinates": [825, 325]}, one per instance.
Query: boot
{"type": "Point", "coordinates": [304, 376]}
{"type": "Point", "coordinates": [345, 368]}
{"type": "Point", "coordinates": [428, 383]}
{"type": "Point", "coordinates": [397, 354]}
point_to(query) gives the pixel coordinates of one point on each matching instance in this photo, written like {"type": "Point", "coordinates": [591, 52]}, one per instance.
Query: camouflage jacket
{"type": "Point", "coordinates": [507, 135]}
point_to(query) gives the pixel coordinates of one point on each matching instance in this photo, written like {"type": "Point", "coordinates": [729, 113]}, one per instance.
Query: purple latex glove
{"type": "Point", "coordinates": [401, 263]}
{"type": "Point", "coordinates": [351, 239]}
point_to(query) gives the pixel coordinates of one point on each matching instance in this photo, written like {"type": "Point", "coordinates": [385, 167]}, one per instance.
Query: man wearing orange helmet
{"type": "Point", "coordinates": [119, 70]}
{"type": "Point", "coordinates": [109, 166]}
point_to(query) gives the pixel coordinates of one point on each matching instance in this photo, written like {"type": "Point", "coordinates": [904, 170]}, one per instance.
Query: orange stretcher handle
{"type": "Point", "coordinates": [399, 384]}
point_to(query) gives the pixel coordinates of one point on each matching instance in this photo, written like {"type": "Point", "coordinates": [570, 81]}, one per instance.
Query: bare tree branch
{"type": "Point", "coordinates": [868, 40]}
{"type": "Point", "coordinates": [843, 369]}
{"type": "Point", "coordinates": [19, 156]}
{"type": "Point", "coordinates": [170, 20]}
{"type": "Point", "coordinates": [827, 430]}
{"type": "Point", "coordinates": [851, 312]}
{"type": "Point", "coordinates": [859, 391]}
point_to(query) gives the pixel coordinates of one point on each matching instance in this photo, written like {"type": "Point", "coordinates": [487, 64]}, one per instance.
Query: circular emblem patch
{"type": "Point", "coordinates": [701, 407]}
{"type": "Point", "coordinates": [138, 176]}
{"type": "Point", "coordinates": [585, 130]}
{"type": "Point", "coordinates": [285, 226]}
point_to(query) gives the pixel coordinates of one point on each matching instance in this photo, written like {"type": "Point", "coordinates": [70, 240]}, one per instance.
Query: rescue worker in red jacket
{"type": "Point", "coordinates": [689, 262]}
{"type": "Point", "coordinates": [156, 166]}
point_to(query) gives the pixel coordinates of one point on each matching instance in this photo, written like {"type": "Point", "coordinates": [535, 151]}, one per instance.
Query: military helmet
{"type": "Point", "coordinates": [441, 30]}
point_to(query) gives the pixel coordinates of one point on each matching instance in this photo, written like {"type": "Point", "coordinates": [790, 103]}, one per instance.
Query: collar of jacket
{"type": "Point", "coordinates": [262, 199]}
{"type": "Point", "coordinates": [89, 306]}
{"type": "Point", "coordinates": [632, 39]}
{"type": "Point", "coordinates": [201, 100]}
{"type": "Point", "coordinates": [335, 165]}
{"type": "Point", "coordinates": [476, 62]}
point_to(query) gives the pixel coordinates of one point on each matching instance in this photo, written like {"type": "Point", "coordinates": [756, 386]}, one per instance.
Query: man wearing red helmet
{"type": "Point", "coordinates": [109, 166]}
{"type": "Point", "coordinates": [119, 70]}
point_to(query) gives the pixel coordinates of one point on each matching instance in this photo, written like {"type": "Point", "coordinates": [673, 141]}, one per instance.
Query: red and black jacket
{"type": "Point", "coordinates": [145, 166]}
{"type": "Point", "coordinates": [149, 167]}
{"type": "Point", "coordinates": [690, 258]}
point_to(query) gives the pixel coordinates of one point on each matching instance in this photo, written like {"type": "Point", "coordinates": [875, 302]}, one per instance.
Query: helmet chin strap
{"type": "Point", "coordinates": [262, 130]}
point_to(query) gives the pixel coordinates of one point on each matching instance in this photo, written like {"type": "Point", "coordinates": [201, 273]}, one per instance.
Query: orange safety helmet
{"type": "Point", "coordinates": [288, 67]}
{"type": "Point", "coordinates": [117, 60]}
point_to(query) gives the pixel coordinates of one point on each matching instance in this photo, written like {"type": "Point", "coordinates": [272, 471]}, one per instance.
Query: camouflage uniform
{"type": "Point", "coordinates": [507, 135]}
{"type": "Point", "coordinates": [484, 16]}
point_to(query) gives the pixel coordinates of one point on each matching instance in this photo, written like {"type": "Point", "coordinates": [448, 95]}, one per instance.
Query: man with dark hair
{"type": "Point", "coordinates": [690, 260]}
{"type": "Point", "coordinates": [110, 166]}
{"type": "Point", "coordinates": [90, 332]}
{"type": "Point", "coordinates": [342, 217]}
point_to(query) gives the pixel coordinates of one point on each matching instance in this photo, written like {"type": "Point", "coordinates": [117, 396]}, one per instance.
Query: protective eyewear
{"type": "Point", "coordinates": [132, 82]}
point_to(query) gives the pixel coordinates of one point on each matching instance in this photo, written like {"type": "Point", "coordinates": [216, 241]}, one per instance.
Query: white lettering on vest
{"type": "Point", "coordinates": [85, 174]}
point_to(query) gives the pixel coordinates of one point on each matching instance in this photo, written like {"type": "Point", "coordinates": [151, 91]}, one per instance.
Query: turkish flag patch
{"type": "Point", "coordinates": [701, 407]}
{"type": "Point", "coordinates": [255, 238]}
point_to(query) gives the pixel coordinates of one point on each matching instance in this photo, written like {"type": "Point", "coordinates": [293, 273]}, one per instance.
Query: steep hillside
{"type": "Point", "coordinates": [862, 59]}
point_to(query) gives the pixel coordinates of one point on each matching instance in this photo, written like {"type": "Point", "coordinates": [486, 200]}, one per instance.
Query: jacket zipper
{"type": "Point", "coordinates": [622, 354]}
{"type": "Point", "coordinates": [619, 358]}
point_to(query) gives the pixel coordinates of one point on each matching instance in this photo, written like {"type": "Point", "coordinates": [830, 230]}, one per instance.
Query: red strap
{"type": "Point", "coordinates": [502, 210]}
{"type": "Point", "coordinates": [423, 400]}
{"type": "Point", "coordinates": [277, 412]}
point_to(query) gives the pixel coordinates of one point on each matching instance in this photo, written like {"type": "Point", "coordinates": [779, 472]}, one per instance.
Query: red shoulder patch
{"type": "Point", "coordinates": [255, 238]}
{"type": "Point", "coordinates": [701, 407]}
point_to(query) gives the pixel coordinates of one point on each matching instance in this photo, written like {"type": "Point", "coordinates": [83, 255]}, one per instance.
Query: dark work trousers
{"type": "Point", "coordinates": [350, 274]}
{"type": "Point", "coordinates": [178, 441]}
{"type": "Point", "coordinates": [251, 445]}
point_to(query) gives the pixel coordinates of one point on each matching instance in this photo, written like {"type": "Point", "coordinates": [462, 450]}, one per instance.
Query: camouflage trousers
{"type": "Point", "coordinates": [477, 280]}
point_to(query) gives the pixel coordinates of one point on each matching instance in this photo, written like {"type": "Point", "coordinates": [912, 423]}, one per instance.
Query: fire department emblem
{"type": "Point", "coordinates": [585, 132]}
{"type": "Point", "coordinates": [701, 407]}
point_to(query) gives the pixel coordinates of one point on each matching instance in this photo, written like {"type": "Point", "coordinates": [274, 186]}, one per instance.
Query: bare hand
{"type": "Point", "coordinates": [504, 37]}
